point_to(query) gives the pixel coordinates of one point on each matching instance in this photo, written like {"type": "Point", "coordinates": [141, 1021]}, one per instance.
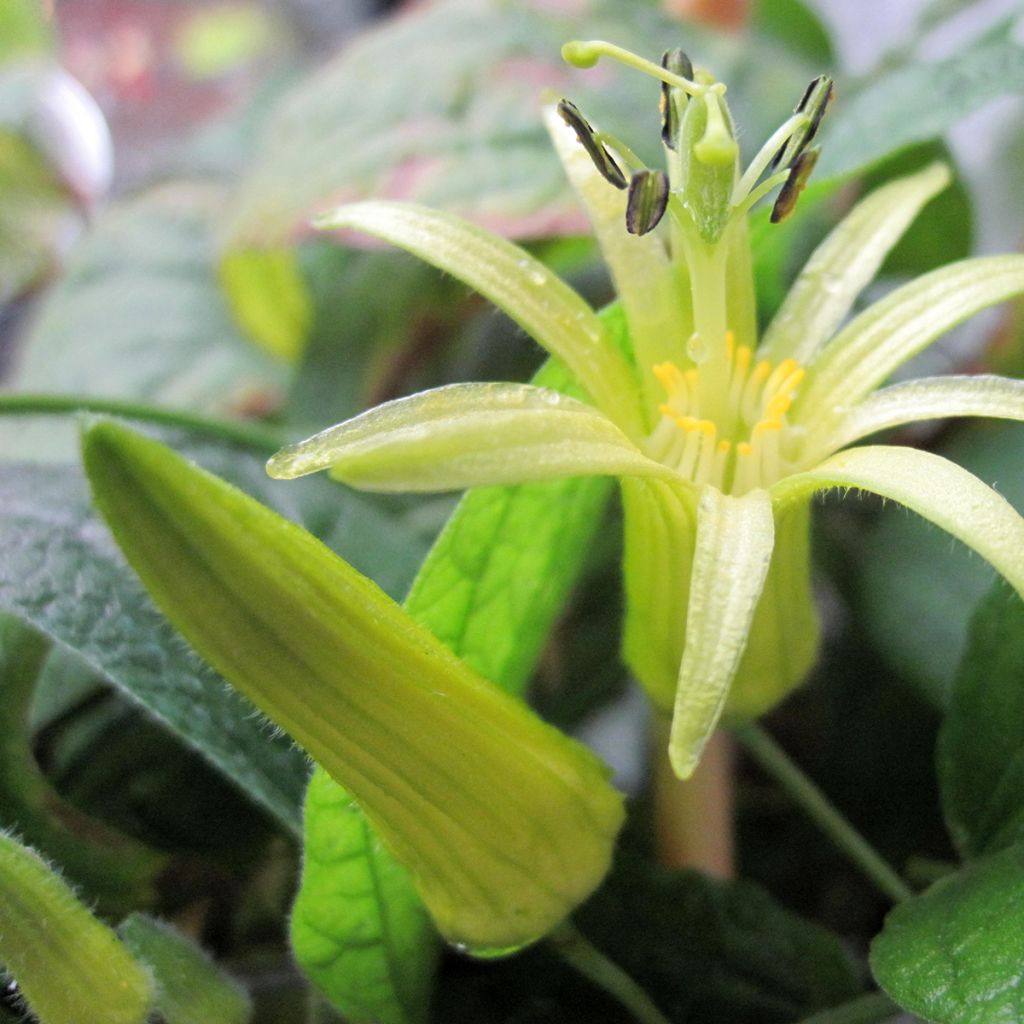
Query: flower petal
{"type": "Point", "coordinates": [659, 524]}
{"type": "Point", "coordinates": [929, 399]}
{"type": "Point", "coordinates": [657, 307]}
{"type": "Point", "coordinates": [735, 537]}
{"type": "Point", "coordinates": [844, 263]}
{"type": "Point", "coordinates": [469, 435]}
{"type": "Point", "coordinates": [931, 486]}
{"type": "Point", "coordinates": [885, 336]}
{"type": "Point", "coordinates": [540, 302]}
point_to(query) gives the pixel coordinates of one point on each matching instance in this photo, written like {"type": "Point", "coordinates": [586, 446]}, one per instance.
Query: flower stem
{"type": "Point", "coordinates": [693, 819]}
{"type": "Point", "coordinates": [821, 810]}
{"type": "Point", "coordinates": [868, 1009]}
{"type": "Point", "coordinates": [249, 434]}
{"type": "Point", "coordinates": [593, 964]}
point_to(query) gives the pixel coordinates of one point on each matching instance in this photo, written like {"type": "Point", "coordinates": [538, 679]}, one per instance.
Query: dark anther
{"type": "Point", "coordinates": [814, 102]}
{"type": "Point", "coordinates": [648, 197]}
{"type": "Point", "coordinates": [603, 160]}
{"type": "Point", "coordinates": [679, 64]}
{"type": "Point", "coordinates": [799, 172]}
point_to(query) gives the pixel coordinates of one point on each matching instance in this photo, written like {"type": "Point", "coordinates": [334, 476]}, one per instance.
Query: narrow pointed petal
{"type": "Point", "coordinates": [504, 823]}
{"type": "Point", "coordinates": [468, 435]}
{"type": "Point", "coordinates": [931, 486]}
{"type": "Point", "coordinates": [928, 399]}
{"type": "Point", "coordinates": [735, 537]}
{"type": "Point", "coordinates": [640, 268]}
{"type": "Point", "coordinates": [893, 330]}
{"type": "Point", "coordinates": [844, 263]}
{"type": "Point", "coordinates": [540, 302]}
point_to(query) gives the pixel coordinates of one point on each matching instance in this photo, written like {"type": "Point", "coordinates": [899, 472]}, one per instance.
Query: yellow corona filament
{"type": "Point", "coordinates": [747, 447]}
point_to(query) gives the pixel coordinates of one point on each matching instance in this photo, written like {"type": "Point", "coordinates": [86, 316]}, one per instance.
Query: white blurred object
{"type": "Point", "coordinates": [68, 127]}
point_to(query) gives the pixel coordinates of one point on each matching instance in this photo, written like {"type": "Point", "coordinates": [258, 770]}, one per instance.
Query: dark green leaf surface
{"type": "Point", "coordinates": [443, 106]}
{"type": "Point", "coordinates": [981, 745]}
{"type": "Point", "coordinates": [188, 987]}
{"type": "Point", "coordinates": [916, 102]}
{"type": "Point", "coordinates": [953, 955]}
{"type": "Point", "coordinates": [138, 315]}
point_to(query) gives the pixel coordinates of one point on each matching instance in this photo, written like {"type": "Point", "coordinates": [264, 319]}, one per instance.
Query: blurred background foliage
{"type": "Point", "coordinates": [159, 162]}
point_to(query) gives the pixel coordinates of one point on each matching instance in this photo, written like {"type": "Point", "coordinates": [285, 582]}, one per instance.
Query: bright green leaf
{"type": "Point", "coordinates": [981, 745]}
{"type": "Point", "coordinates": [68, 965]}
{"type": "Point", "coordinates": [504, 823]}
{"type": "Point", "coordinates": [188, 986]}
{"type": "Point", "coordinates": [952, 955]}
{"type": "Point", "coordinates": [358, 928]}
{"type": "Point", "coordinates": [24, 29]}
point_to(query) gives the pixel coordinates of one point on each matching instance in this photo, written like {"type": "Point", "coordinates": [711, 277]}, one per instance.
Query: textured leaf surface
{"type": "Point", "coordinates": [918, 101]}
{"type": "Point", "coordinates": [953, 955]}
{"type": "Point", "coordinates": [454, 121]}
{"type": "Point", "coordinates": [981, 747]}
{"type": "Point", "coordinates": [139, 315]}
{"type": "Point", "coordinates": [188, 986]}
{"type": "Point", "coordinates": [358, 928]}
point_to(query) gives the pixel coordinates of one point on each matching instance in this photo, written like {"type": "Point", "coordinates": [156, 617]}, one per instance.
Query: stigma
{"type": "Point", "coordinates": [751, 445]}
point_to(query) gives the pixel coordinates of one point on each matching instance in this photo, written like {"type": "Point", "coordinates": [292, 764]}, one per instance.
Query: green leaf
{"type": "Point", "coordinates": [358, 928]}
{"type": "Point", "coordinates": [139, 315]}
{"type": "Point", "coordinates": [981, 745]}
{"type": "Point", "coordinates": [505, 824]}
{"type": "Point", "coordinates": [916, 102]}
{"type": "Point", "coordinates": [67, 964]}
{"type": "Point", "coordinates": [114, 870]}
{"type": "Point", "coordinates": [189, 987]}
{"type": "Point", "coordinates": [953, 954]}
{"type": "Point", "coordinates": [796, 26]}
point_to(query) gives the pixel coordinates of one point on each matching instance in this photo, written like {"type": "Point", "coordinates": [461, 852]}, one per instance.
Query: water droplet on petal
{"type": "Point", "coordinates": [696, 348]}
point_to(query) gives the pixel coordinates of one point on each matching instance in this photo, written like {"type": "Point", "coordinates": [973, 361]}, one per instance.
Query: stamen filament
{"type": "Point", "coordinates": [765, 154]}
